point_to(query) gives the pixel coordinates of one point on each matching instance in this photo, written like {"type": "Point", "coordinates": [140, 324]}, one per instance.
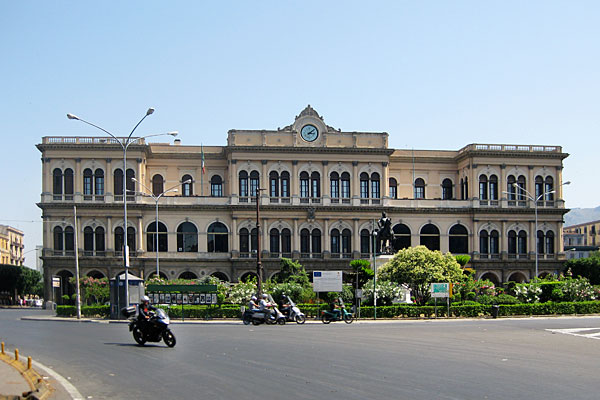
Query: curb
{"type": "Point", "coordinates": [40, 389]}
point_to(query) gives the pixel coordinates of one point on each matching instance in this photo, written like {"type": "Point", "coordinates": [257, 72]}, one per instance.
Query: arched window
{"type": "Point", "coordinates": [58, 239]}
{"type": "Point", "coordinates": [69, 239]}
{"type": "Point", "coordinates": [254, 241]}
{"type": "Point", "coordinates": [365, 242]}
{"type": "Point", "coordinates": [315, 185]}
{"type": "Point", "coordinates": [522, 243]}
{"type": "Point", "coordinates": [346, 243]}
{"type": "Point", "coordinates": [274, 242]}
{"type": "Point", "coordinates": [540, 242]}
{"type": "Point", "coordinates": [254, 177]}
{"type": "Point", "coordinates": [188, 275]}
{"type": "Point", "coordinates": [99, 240]}
{"type": "Point", "coordinates": [393, 188]}
{"type": "Point", "coordinates": [447, 189]}
{"type": "Point", "coordinates": [129, 183]}
{"type": "Point", "coordinates": [243, 181]}
{"type": "Point", "coordinates": [151, 237]}
{"type": "Point", "coordinates": [88, 177]}
{"type": "Point", "coordinates": [68, 181]}
{"type": "Point", "coordinates": [335, 243]}
{"type": "Point", "coordinates": [483, 187]}
{"type": "Point", "coordinates": [511, 189]}
{"type": "Point", "coordinates": [305, 243]}
{"type": "Point", "coordinates": [285, 184]}
{"type": "Point", "coordinates": [458, 240]}
{"type": "Point", "coordinates": [216, 186]}
{"type": "Point", "coordinates": [273, 184]}
{"type": "Point", "coordinates": [430, 237]}
{"type": "Point", "coordinates": [244, 243]}
{"type": "Point", "coordinates": [304, 184]}
{"type": "Point", "coordinates": [375, 186]}
{"type": "Point", "coordinates": [345, 181]}
{"type": "Point", "coordinates": [495, 244]}
{"type": "Point", "coordinates": [157, 184]}
{"type": "Point", "coordinates": [401, 238]}
{"type": "Point", "coordinates": [315, 236]}
{"type": "Point", "coordinates": [334, 185]}
{"type": "Point", "coordinates": [419, 188]}
{"type": "Point", "coordinates": [548, 187]}
{"type": "Point", "coordinates": [187, 238]}
{"type": "Point", "coordinates": [286, 242]}
{"type": "Point", "coordinates": [493, 182]}
{"type": "Point", "coordinates": [484, 241]}
{"type": "Point", "coordinates": [119, 239]}
{"type": "Point", "coordinates": [99, 182]}
{"type": "Point", "coordinates": [521, 194]}
{"type": "Point", "coordinates": [549, 242]}
{"type": "Point", "coordinates": [512, 243]}
{"type": "Point", "coordinates": [364, 185]}
{"type": "Point", "coordinates": [118, 182]}
{"type": "Point", "coordinates": [187, 189]}
{"type": "Point", "coordinates": [57, 183]}
{"type": "Point", "coordinates": [217, 238]}
{"type": "Point", "coordinates": [220, 276]}
{"type": "Point", "coordinates": [88, 241]}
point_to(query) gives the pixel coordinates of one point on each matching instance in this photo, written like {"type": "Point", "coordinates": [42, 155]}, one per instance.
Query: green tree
{"type": "Point", "coordinates": [418, 267]}
{"type": "Point", "coordinates": [292, 272]}
{"type": "Point", "coordinates": [585, 268]}
{"type": "Point", "coordinates": [363, 271]}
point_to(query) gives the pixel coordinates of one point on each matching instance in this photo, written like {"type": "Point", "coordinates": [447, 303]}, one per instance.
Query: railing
{"type": "Point", "coordinates": [511, 147]}
{"type": "Point", "coordinates": [87, 140]}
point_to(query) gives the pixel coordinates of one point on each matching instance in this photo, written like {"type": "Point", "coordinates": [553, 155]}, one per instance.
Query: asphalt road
{"type": "Point", "coordinates": [456, 359]}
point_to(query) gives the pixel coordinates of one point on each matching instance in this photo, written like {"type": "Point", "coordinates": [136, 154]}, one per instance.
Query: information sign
{"type": "Point", "coordinates": [440, 290]}
{"type": "Point", "coordinates": [55, 281]}
{"type": "Point", "coordinates": [327, 281]}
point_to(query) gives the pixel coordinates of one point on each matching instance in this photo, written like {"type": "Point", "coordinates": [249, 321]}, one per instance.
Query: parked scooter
{"type": "Point", "coordinates": [343, 315]}
{"type": "Point", "coordinates": [266, 317]}
{"type": "Point", "coordinates": [292, 312]}
{"type": "Point", "coordinates": [153, 330]}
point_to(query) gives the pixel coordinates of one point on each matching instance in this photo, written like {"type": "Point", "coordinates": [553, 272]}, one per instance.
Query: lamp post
{"type": "Point", "coordinates": [374, 234]}
{"type": "Point", "coordinates": [124, 143]}
{"type": "Point", "coordinates": [259, 267]}
{"type": "Point", "coordinates": [525, 193]}
{"type": "Point", "coordinates": [156, 198]}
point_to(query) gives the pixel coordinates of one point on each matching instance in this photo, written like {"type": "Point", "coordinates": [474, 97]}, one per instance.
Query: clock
{"type": "Point", "coordinates": [310, 133]}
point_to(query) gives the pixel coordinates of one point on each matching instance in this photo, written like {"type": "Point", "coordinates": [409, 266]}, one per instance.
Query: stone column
{"type": "Point", "coordinates": [355, 237]}
{"type": "Point", "coordinates": [325, 180]}
{"type": "Point", "coordinates": [110, 245]}
{"type": "Point", "coordinates": [295, 240]}
{"type": "Point", "coordinates": [265, 245]}
{"type": "Point", "coordinates": [355, 185]}
{"type": "Point", "coordinates": [139, 238]}
{"type": "Point", "coordinates": [295, 180]}
{"type": "Point", "coordinates": [264, 180]}
{"type": "Point", "coordinates": [504, 242]}
{"type": "Point", "coordinates": [108, 182]}
{"type": "Point", "coordinates": [327, 244]}
{"type": "Point", "coordinates": [385, 184]}
{"type": "Point", "coordinates": [78, 181]}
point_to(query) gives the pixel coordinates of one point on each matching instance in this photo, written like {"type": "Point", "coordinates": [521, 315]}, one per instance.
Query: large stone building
{"type": "Point", "coordinates": [11, 245]}
{"type": "Point", "coordinates": [581, 240]}
{"type": "Point", "coordinates": [323, 190]}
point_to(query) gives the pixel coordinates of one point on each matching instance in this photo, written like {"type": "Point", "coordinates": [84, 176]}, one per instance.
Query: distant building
{"type": "Point", "coordinates": [581, 240]}
{"type": "Point", "coordinates": [11, 245]}
{"type": "Point", "coordinates": [323, 189]}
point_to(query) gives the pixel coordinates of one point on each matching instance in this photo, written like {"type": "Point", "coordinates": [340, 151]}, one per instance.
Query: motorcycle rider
{"type": "Point", "coordinates": [336, 309]}
{"type": "Point", "coordinates": [264, 305]}
{"type": "Point", "coordinates": [144, 310]}
{"type": "Point", "coordinates": [286, 307]}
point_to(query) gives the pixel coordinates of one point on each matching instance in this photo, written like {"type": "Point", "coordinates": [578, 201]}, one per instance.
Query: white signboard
{"type": "Point", "coordinates": [440, 290]}
{"type": "Point", "coordinates": [327, 281]}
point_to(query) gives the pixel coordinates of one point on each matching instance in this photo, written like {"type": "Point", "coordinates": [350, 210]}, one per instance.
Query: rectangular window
{"type": "Point", "coordinates": [304, 188]}
{"type": "Point", "coordinates": [364, 189]}
{"type": "Point", "coordinates": [345, 189]}
{"type": "Point", "coordinates": [285, 190]}
{"type": "Point", "coordinates": [243, 188]}
{"type": "Point", "coordinates": [375, 189]}
{"type": "Point", "coordinates": [99, 185]}
{"type": "Point", "coordinates": [335, 189]}
{"type": "Point", "coordinates": [393, 194]}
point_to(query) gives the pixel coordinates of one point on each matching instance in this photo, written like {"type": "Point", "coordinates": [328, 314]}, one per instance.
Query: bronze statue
{"type": "Point", "coordinates": [384, 234]}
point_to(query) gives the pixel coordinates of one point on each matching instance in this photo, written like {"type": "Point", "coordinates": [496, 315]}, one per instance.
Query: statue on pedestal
{"type": "Point", "coordinates": [384, 234]}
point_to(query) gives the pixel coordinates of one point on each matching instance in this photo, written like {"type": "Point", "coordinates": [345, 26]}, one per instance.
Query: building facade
{"type": "Point", "coordinates": [581, 240]}
{"type": "Point", "coordinates": [11, 245]}
{"type": "Point", "coordinates": [322, 191]}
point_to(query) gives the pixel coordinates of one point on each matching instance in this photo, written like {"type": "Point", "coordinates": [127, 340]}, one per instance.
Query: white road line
{"type": "Point", "coordinates": [72, 390]}
{"type": "Point", "coordinates": [578, 332]}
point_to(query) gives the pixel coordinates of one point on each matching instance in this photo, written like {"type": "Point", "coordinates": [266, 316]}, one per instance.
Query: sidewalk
{"type": "Point", "coordinates": [19, 382]}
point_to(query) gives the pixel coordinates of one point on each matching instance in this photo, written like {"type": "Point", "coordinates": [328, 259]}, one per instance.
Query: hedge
{"type": "Point", "coordinates": [86, 311]}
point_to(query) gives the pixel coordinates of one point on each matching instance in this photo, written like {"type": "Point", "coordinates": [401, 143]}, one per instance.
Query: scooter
{"type": "Point", "coordinates": [293, 313]}
{"type": "Point", "coordinates": [330, 316]}
{"type": "Point", "coordinates": [153, 330]}
{"type": "Point", "coordinates": [266, 317]}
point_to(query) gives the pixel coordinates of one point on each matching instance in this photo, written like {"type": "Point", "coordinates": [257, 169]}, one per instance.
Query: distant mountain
{"type": "Point", "coordinates": [581, 215]}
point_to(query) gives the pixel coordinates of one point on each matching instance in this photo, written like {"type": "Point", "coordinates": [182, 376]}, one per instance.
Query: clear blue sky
{"type": "Point", "coordinates": [435, 75]}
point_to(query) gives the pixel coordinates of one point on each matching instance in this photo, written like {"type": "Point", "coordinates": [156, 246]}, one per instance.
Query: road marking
{"type": "Point", "coordinates": [588, 333]}
{"type": "Point", "coordinates": [68, 386]}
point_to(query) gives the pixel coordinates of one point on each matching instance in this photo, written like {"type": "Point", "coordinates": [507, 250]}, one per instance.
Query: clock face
{"type": "Point", "coordinates": [309, 133]}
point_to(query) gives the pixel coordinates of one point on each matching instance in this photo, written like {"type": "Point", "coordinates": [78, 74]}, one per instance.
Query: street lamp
{"type": "Point", "coordinates": [259, 267]}
{"type": "Point", "coordinates": [124, 143]}
{"type": "Point", "coordinates": [523, 192]}
{"type": "Point", "coordinates": [156, 198]}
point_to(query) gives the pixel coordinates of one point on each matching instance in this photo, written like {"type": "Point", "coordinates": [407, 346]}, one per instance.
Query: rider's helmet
{"type": "Point", "coordinates": [253, 298]}
{"type": "Point", "coordinates": [145, 299]}
{"type": "Point", "coordinates": [264, 296]}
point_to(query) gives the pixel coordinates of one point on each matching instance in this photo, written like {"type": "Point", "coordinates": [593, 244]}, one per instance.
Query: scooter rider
{"type": "Point", "coordinates": [252, 306]}
{"type": "Point", "coordinates": [264, 305]}
{"type": "Point", "coordinates": [286, 306]}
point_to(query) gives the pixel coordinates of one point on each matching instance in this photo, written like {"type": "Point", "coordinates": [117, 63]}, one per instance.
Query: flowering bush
{"type": "Point", "coordinates": [386, 292]}
{"type": "Point", "coordinates": [578, 290]}
{"type": "Point", "coordinates": [93, 290]}
{"type": "Point", "coordinates": [528, 292]}
{"type": "Point", "coordinates": [240, 293]}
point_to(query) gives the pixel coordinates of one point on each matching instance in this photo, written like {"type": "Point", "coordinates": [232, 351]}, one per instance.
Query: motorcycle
{"type": "Point", "coordinates": [266, 317]}
{"type": "Point", "coordinates": [329, 316]}
{"type": "Point", "coordinates": [293, 313]}
{"type": "Point", "coordinates": [153, 330]}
